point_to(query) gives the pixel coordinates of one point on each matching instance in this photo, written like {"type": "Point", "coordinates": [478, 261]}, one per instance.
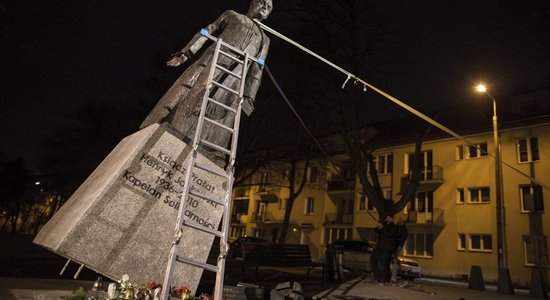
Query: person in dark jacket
{"type": "Point", "coordinates": [385, 247]}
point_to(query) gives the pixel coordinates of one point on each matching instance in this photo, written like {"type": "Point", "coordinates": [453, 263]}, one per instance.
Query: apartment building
{"type": "Point", "coordinates": [452, 221]}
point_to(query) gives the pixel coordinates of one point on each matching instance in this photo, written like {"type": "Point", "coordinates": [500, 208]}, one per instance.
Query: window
{"type": "Point", "coordinates": [264, 179]}
{"type": "Point", "coordinates": [426, 164]}
{"type": "Point", "coordinates": [533, 244]}
{"type": "Point", "coordinates": [477, 150]}
{"type": "Point", "coordinates": [459, 152]}
{"type": "Point", "coordinates": [481, 242]}
{"type": "Point", "coordinates": [419, 244]}
{"type": "Point", "coordinates": [308, 209]}
{"type": "Point", "coordinates": [335, 234]}
{"type": "Point", "coordinates": [460, 196]}
{"type": "Point", "coordinates": [424, 202]}
{"type": "Point", "coordinates": [531, 198]}
{"type": "Point", "coordinates": [312, 174]}
{"type": "Point", "coordinates": [528, 150]}
{"type": "Point", "coordinates": [258, 232]}
{"type": "Point", "coordinates": [479, 195]}
{"type": "Point", "coordinates": [282, 203]}
{"type": "Point", "coordinates": [362, 203]}
{"type": "Point", "coordinates": [284, 174]}
{"type": "Point", "coordinates": [461, 245]}
{"type": "Point", "coordinates": [348, 173]}
{"type": "Point", "coordinates": [384, 163]}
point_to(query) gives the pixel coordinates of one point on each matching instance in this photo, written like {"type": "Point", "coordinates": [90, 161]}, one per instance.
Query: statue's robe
{"type": "Point", "coordinates": [181, 103]}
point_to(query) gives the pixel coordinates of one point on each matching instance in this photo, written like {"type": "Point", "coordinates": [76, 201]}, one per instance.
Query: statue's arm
{"type": "Point", "coordinates": [198, 40]}
{"type": "Point", "coordinates": [253, 80]}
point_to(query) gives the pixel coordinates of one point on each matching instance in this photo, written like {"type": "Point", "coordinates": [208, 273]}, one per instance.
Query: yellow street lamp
{"type": "Point", "coordinates": [504, 280]}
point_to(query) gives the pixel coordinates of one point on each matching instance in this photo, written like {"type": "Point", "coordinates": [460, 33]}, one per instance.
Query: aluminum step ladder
{"type": "Point", "coordinates": [242, 60]}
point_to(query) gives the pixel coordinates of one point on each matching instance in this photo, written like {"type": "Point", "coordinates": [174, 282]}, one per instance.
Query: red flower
{"type": "Point", "coordinates": [182, 290]}
{"type": "Point", "coordinates": [205, 296]}
{"type": "Point", "coordinates": [152, 285]}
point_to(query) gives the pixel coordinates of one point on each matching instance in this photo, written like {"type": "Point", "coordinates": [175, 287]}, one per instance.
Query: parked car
{"type": "Point", "coordinates": [235, 249]}
{"type": "Point", "coordinates": [408, 268]}
{"type": "Point", "coordinates": [356, 257]}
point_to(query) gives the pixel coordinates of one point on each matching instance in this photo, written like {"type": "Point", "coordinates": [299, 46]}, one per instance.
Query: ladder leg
{"type": "Point", "coordinates": [65, 267]}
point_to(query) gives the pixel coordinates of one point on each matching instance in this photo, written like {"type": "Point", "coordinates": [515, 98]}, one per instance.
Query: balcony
{"type": "Point", "coordinates": [269, 194]}
{"type": "Point", "coordinates": [262, 217]}
{"type": "Point", "coordinates": [427, 221]}
{"type": "Point", "coordinates": [239, 218]}
{"type": "Point", "coordinates": [339, 190]}
{"type": "Point", "coordinates": [430, 180]}
{"type": "Point", "coordinates": [241, 193]}
{"type": "Point", "coordinates": [338, 218]}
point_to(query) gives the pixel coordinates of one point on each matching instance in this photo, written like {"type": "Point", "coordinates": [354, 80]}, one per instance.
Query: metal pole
{"type": "Point", "coordinates": [504, 280]}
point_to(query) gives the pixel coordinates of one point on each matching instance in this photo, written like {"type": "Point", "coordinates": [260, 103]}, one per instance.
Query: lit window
{"type": "Point", "coordinates": [426, 164]}
{"type": "Point", "coordinates": [335, 234]}
{"type": "Point", "coordinates": [366, 204]}
{"type": "Point", "coordinates": [312, 174]}
{"type": "Point", "coordinates": [533, 244]}
{"type": "Point", "coordinates": [285, 174]}
{"type": "Point", "coordinates": [481, 242]}
{"type": "Point", "coordinates": [419, 244]}
{"type": "Point", "coordinates": [282, 203]}
{"type": "Point", "coordinates": [461, 243]}
{"type": "Point", "coordinates": [309, 205]}
{"type": "Point", "coordinates": [477, 150]}
{"type": "Point", "coordinates": [264, 181]}
{"type": "Point", "coordinates": [384, 163]}
{"type": "Point", "coordinates": [479, 195]}
{"type": "Point", "coordinates": [423, 202]}
{"type": "Point", "coordinates": [528, 150]}
{"type": "Point", "coordinates": [460, 196]}
{"type": "Point", "coordinates": [531, 198]}
{"type": "Point", "coordinates": [459, 152]}
{"type": "Point", "coordinates": [362, 203]}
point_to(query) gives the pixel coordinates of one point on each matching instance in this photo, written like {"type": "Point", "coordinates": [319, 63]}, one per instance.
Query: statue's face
{"type": "Point", "coordinates": [260, 9]}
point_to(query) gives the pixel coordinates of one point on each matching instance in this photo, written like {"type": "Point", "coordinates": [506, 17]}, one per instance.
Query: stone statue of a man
{"type": "Point", "coordinates": [181, 103]}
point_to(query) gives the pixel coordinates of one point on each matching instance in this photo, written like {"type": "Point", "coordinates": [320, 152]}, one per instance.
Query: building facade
{"type": "Point", "coordinates": [451, 222]}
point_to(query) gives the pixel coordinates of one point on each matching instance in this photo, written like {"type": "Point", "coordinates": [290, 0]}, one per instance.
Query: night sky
{"type": "Point", "coordinates": [55, 56]}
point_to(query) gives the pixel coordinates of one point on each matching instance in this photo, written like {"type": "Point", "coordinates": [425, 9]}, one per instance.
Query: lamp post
{"type": "Point", "coordinates": [504, 280]}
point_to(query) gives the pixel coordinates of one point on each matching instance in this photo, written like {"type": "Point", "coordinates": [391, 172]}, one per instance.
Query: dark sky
{"type": "Point", "coordinates": [57, 55]}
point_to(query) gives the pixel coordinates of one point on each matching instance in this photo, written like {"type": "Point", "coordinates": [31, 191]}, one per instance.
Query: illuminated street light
{"type": "Point", "coordinates": [504, 280]}
{"type": "Point", "coordinates": [481, 88]}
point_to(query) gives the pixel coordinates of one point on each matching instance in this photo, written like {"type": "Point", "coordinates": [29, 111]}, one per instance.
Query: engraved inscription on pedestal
{"type": "Point", "coordinates": [122, 218]}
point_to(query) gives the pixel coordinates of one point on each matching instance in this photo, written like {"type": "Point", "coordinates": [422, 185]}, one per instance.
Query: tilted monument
{"type": "Point", "coordinates": [122, 219]}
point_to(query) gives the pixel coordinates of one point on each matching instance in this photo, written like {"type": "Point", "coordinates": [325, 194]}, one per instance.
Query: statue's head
{"type": "Point", "coordinates": [260, 9]}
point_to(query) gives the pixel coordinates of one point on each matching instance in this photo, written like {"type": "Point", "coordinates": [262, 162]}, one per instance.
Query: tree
{"type": "Point", "coordinates": [360, 37]}
{"type": "Point", "coordinates": [296, 179]}
{"type": "Point", "coordinates": [17, 195]}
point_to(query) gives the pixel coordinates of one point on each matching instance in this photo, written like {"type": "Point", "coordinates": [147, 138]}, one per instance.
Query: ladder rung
{"type": "Point", "coordinates": [214, 146]}
{"type": "Point", "coordinates": [196, 263]}
{"type": "Point", "coordinates": [203, 196]}
{"type": "Point", "coordinates": [219, 124]}
{"type": "Point", "coordinates": [225, 88]}
{"type": "Point", "coordinates": [202, 228]}
{"type": "Point", "coordinates": [229, 72]}
{"type": "Point", "coordinates": [222, 105]}
{"type": "Point", "coordinates": [205, 168]}
{"type": "Point", "coordinates": [232, 57]}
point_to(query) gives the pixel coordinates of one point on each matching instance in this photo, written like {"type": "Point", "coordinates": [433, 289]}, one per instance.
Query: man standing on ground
{"type": "Point", "coordinates": [400, 239]}
{"type": "Point", "coordinates": [385, 247]}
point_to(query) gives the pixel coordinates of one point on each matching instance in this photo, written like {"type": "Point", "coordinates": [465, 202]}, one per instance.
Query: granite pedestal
{"type": "Point", "coordinates": [122, 219]}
